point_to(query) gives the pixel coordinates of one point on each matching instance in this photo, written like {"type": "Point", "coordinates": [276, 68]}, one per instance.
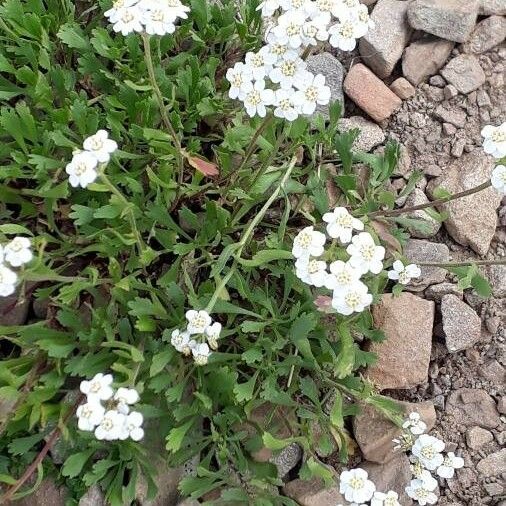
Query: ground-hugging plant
{"type": "Point", "coordinates": [154, 221]}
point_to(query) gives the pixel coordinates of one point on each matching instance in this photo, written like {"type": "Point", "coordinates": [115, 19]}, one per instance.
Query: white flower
{"type": "Point", "coordinates": [198, 321]}
{"type": "Point", "coordinates": [427, 449]}
{"type": "Point", "coordinates": [415, 424]}
{"type": "Point", "coordinates": [128, 20]}
{"type": "Point", "coordinates": [364, 21]}
{"type": "Point", "coordinates": [365, 255]}
{"type": "Point", "coordinates": [289, 70]}
{"type": "Point", "coordinates": [420, 491]}
{"type": "Point", "coordinates": [355, 486]}
{"type": "Point", "coordinates": [268, 7]}
{"type": "Point", "coordinates": [498, 178]}
{"type": "Point", "coordinates": [312, 272]}
{"type": "Point", "coordinates": [182, 341]}
{"type": "Point", "coordinates": [495, 140]}
{"type": "Point", "coordinates": [174, 7]}
{"type": "Point", "coordinates": [158, 21]}
{"type": "Point", "coordinates": [308, 242]}
{"type": "Point", "coordinates": [201, 353]}
{"type": "Point", "coordinates": [388, 499]}
{"type": "Point", "coordinates": [341, 224]}
{"type": "Point", "coordinates": [344, 33]}
{"type": "Point", "coordinates": [450, 463]}
{"type": "Point", "coordinates": [352, 300]}
{"type": "Point", "coordinates": [260, 63]}
{"type": "Point", "coordinates": [284, 105]}
{"type": "Point", "coordinates": [114, 13]}
{"type": "Point", "coordinates": [290, 28]}
{"type": "Point", "coordinates": [213, 334]}
{"type": "Point", "coordinates": [98, 388]}
{"type": "Point", "coordinates": [276, 49]}
{"type": "Point", "coordinates": [346, 6]}
{"type": "Point", "coordinates": [132, 427]}
{"type": "Point", "coordinates": [125, 397]}
{"type": "Point", "coordinates": [111, 426]}
{"type": "Point", "coordinates": [256, 100]}
{"type": "Point", "coordinates": [239, 77]}
{"type": "Point", "coordinates": [315, 30]}
{"type": "Point", "coordinates": [425, 476]}
{"type": "Point", "coordinates": [81, 169]}
{"type": "Point", "coordinates": [89, 415]}
{"type": "Point", "coordinates": [342, 276]}
{"type": "Point", "coordinates": [18, 252]}
{"type": "Point", "coordinates": [311, 91]}
{"type": "Point", "coordinates": [100, 146]}
{"type": "Point", "coordinates": [404, 274]}
{"type": "Point", "coordinates": [302, 6]}
{"type": "Point", "coordinates": [8, 280]}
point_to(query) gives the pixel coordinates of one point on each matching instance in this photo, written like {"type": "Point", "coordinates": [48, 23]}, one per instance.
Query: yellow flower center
{"type": "Point", "coordinates": [313, 267]}
{"type": "Point", "coordinates": [428, 452]}
{"type": "Point", "coordinates": [127, 17]}
{"type": "Point", "coordinates": [356, 483]}
{"type": "Point", "coordinates": [278, 49]}
{"type": "Point", "coordinates": [81, 168]}
{"type": "Point", "coordinates": [95, 387]}
{"type": "Point", "coordinates": [158, 15]}
{"type": "Point", "coordinates": [353, 300]}
{"type": "Point", "coordinates": [390, 501]}
{"type": "Point", "coordinates": [346, 30]}
{"type": "Point", "coordinates": [324, 5]}
{"type": "Point", "coordinates": [236, 80]}
{"type": "Point", "coordinates": [305, 239]}
{"type": "Point", "coordinates": [293, 29]}
{"type": "Point", "coordinates": [288, 68]}
{"type": "Point", "coordinates": [367, 251]}
{"type": "Point", "coordinates": [107, 424]}
{"type": "Point", "coordinates": [257, 60]}
{"type": "Point", "coordinates": [253, 97]}
{"type": "Point", "coordinates": [198, 322]}
{"type": "Point", "coordinates": [498, 136]}
{"type": "Point", "coordinates": [311, 93]}
{"type": "Point", "coordinates": [343, 278]}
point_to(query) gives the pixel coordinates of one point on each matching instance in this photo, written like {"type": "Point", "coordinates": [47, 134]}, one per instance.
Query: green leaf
{"type": "Point", "coordinates": [244, 391]}
{"type": "Point", "coordinates": [266, 256]}
{"type": "Point", "coordinates": [22, 445]}
{"type": "Point", "coordinates": [176, 436]}
{"type": "Point", "coordinates": [336, 413]}
{"type": "Point", "coordinates": [73, 36]}
{"type": "Point", "coordinates": [160, 360]}
{"type": "Point", "coordinates": [481, 286]}
{"type": "Point", "coordinates": [346, 356]}
{"type": "Point", "coordinates": [299, 332]}
{"type": "Point", "coordinates": [74, 464]}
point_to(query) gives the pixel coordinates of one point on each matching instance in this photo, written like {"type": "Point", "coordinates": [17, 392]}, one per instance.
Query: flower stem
{"type": "Point", "coordinates": [163, 111]}
{"type": "Point", "coordinates": [432, 203]}
{"type": "Point", "coordinates": [247, 234]}
{"type": "Point", "coordinates": [449, 265]}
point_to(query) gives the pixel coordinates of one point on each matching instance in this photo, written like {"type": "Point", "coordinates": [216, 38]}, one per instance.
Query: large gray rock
{"type": "Point", "coordinates": [494, 464]}
{"type": "Point", "coordinates": [13, 310]}
{"type": "Point", "coordinates": [424, 58]}
{"type": "Point", "coordinates": [471, 220]}
{"type": "Point", "coordinates": [472, 407]}
{"type": "Point", "coordinates": [417, 250]}
{"type": "Point", "coordinates": [488, 33]}
{"type": "Point", "coordinates": [93, 497]}
{"type": "Point", "coordinates": [461, 324]}
{"type": "Point", "coordinates": [313, 493]}
{"type": "Point", "coordinates": [370, 136]}
{"type": "Point", "coordinates": [465, 73]}
{"type": "Point", "coordinates": [448, 19]}
{"type": "Point", "coordinates": [407, 322]}
{"type": "Point", "coordinates": [381, 48]}
{"type": "Point", "coordinates": [430, 225]}
{"type": "Point", "coordinates": [374, 432]}
{"type": "Point", "coordinates": [488, 7]}
{"type": "Point", "coordinates": [393, 475]}
{"type": "Point", "coordinates": [332, 69]}
{"type": "Point", "coordinates": [496, 275]}
{"type": "Point", "coordinates": [47, 494]}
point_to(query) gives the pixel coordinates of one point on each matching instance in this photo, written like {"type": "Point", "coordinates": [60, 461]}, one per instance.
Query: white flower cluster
{"type": "Point", "coordinates": [97, 149]}
{"type": "Point", "coordinates": [114, 420]}
{"type": "Point", "coordinates": [199, 338]}
{"type": "Point", "coordinates": [14, 254]}
{"type": "Point", "coordinates": [426, 457]}
{"type": "Point", "coordinates": [350, 294]}
{"type": "Point", "coordinates": [495, 144]}
{"type": "Point", "coordinates": [154, 17]}
{"type": "Point", "coordinates": [277, 75]}
{"type": "Point", "coordinates": [358, 489]}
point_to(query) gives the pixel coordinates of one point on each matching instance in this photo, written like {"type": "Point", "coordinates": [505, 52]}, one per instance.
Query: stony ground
{"type": "Point", "coordinates": [430, 75]}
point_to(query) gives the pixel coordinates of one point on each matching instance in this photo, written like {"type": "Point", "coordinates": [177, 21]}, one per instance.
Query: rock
{"type": "Point", "coordinates": [476, 437]}
{"type": "Point", "coordinates": [436, 292]}
{"type": "Point", "coordinates": [403, 88]}
{"type": "Point", "coordinates": [493, 489]}
{"type": "Point", "coordinates": [431, 226]}
{"type": "Point", "coordinates": [370, 93]}
{"type": "Point", "coordinates": [328, 65]}
{"type": "Point", "coordinates": [393, 475]}
{"type": "Point", "coordinates": [437, 81]}
{"type": "Point", "coordinates": [424, 58]}
{"type": "Point", "coordinates": [494, 372]}
{"type": "Point", "coordinates": [450, 91]}
{"type": "Point", "coordinates": [381, 48]}
{"type": "Point", "coordinates": [501, 405]}
{"type": "Point", "coordinates": [488, 33]}
{"type": "Point", "coordinates": [47, 494]}
{"type": "Point", "coordinates": [93, 497]}
{"type": "Point", "coordinates": [167, 480]}
{"type": "Point", "coordinates": [488, 7]}
{"type": "Point", "coordinates": [417, 250]}
{"type": "Point", "coordinates": [465, 73]}
{"type": "Point", "coordinates": [449, 129]}
{"type": "Point", "coordinates": [470, 407]}
{"type": "Point", "coordinates": [496, 275]}
{"type": "Point", "coordinates": [456, 116]}
{"type": "Point", "coordinates": [287, 459]}
{"type": "Point", "coordinates": [448, 19]}
{"type": "Point", "coordinates": [374, 432]}
{"type": "Point", "coordinates": [494, 464]}
{"type": "Point", "coordinates": [471, 220]}
{"type": "Point", "coordinates": [13, 311]}
{"type": "Point", "coordinates": [461, 324]}
{"type": "Point", "coordinates": [188, 502]}
{"type": "Point", "coordinates": [407, 322]}
{"type": "Point", "coordinates": [370, 136]}
{"type": "Point", "coordinates": [313, 493]}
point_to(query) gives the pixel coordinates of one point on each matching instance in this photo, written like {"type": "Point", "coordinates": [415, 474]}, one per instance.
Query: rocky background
{"type": "Point", "coordinates": [430, 75]}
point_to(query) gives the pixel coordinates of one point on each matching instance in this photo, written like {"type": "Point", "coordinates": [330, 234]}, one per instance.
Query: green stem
{"type": "Point", "coordinates": [39, 278]}
{"type": "Point", "coordinates": [248, 232]}
{"type": "Point", "coordinates": [433, 203]}
{"type": "Point", "coordinates": [462, 264]}
{"type": "Point", "coordinates": [163, 111]}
